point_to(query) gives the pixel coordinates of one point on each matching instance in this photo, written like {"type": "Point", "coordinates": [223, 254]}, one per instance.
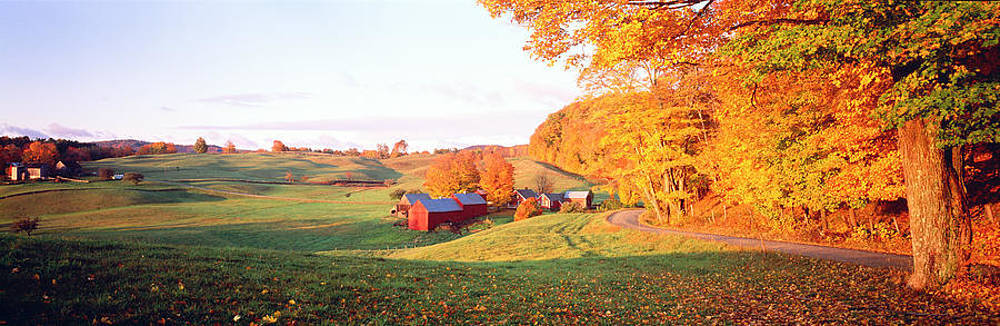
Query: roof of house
{"type": "Point", "coordinates": [68, 164]}
{"type": "Point", "coordinates": [554, 196]}
{"type": "Point", "coordinates": [527, 193]}
{"type": "Point", "coordinates": [440, 205]}
{"type": "Point", "coordinates": [470, 199]}
{"type": "Point", "coordinates": [578, 194]}
{"type": "Point", "coordinates": [413, 198]}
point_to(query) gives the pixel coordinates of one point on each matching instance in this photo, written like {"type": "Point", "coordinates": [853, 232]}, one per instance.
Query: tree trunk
{"type": "Point", "coordinates": [826, 222]}
{"type": "Point", "coordinates": [988, 208]}
{"type": "Point", "coordinates": [936, 202]}
{"type": "Point", "coordinates": [853, 215]}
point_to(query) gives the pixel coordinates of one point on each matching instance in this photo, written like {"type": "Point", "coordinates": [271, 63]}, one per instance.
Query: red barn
{"type": "Point", "coordinates": [427, 214]}
{"type": "Point", "coordinates": [403, 206]}
{"type": "Point", "coordinates": [551, 201]}
{"type": "Point", "coordinates": [473, 205]}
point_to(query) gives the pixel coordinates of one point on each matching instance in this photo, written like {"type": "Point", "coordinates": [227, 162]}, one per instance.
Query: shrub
{"type": "Point", "coordinates": [611, 204]}
{"type": "Point", "coordinates": [397, 194]}
{"type": "Point", "coordinates": [134, 177]}
{"type": "Point", "coordinates": [25, 224]}
{"type": "Point", "coordinates": [527, 209]}
{"type": "Point", "coordinates": [105, 173]}
{"type": "Point", "coordinates": [571, 207]}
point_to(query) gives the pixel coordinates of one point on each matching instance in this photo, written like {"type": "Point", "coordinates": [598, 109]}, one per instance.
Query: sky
{"type": "Point", "coordinates": [332, 74]}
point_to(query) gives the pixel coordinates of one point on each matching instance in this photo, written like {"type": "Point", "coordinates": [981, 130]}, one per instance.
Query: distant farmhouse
{"type": "Point", "coordinates": [521, 195]}
{"type": "Point", "coordinates": [584, 198]}
{"type": "Point", "coordinates": [551, 201]}
{"type": "Point", "coordinates": [68, 169]}
{"type": "Point", "coordinates": [17, 172]}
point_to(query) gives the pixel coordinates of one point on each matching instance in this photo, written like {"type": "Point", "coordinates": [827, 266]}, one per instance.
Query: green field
{"type": "Point", "coordinates": [113, 252]}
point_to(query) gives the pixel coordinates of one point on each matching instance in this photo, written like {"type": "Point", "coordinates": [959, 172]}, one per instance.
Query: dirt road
{"type": "Point", "coordinates": [630, 219]}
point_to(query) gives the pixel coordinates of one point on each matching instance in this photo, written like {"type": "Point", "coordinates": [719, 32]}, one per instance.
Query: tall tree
{"type": "Point", "coordinates": [497, 179]}
{"type": "Point", "coordinates": [931, 70]}
{"type": "Point", "coordinates": [382, 151]}
{"type": "Point", "coordinates": [200, 146]}
{"type": "Point", "coordinates": [40, 153]}
{"type": "Point", "coordinates": [399, 149]}
{"type": "Point", "coordinates": [278, 146]}
{"type": "Point", "coordinates": [230, 148]}
{"type": "Point", "coordinates": [452, 173]}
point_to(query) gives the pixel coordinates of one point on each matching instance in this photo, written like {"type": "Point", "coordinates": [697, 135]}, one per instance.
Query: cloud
{"type": "Point", "coordinates": [254, 99]}
{"type": "Point", "coordinates": [15, 131]}
{"type": "Point", "coordinates": [168, 109]}
{"type": "Point", "coordinates": [58, 130]}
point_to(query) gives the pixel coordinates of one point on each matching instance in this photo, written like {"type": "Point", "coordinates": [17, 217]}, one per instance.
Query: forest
{"type": "Point", "coordinates": [795, 110]}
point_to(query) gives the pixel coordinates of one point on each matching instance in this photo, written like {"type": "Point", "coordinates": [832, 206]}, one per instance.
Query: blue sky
{"type": "Point", "coordinates": [332, 74]}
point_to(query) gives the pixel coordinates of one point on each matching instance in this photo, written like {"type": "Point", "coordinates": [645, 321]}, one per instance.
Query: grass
{"type": "Point", "coordinates": [647, 281]}
{"type": "Point", "coordinates": [111, 252]}
{"type": "Point", "coordinates": [249, 166]}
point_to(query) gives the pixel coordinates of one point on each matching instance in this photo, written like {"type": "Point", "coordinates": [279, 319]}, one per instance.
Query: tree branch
{"type": "Point", "coordinates": [776, 21]}
{"type": "Point", "coordinates": [668, 4]}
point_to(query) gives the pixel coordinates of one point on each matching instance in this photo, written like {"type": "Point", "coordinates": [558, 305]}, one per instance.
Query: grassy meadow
{"type": "Point", "coordinates": [113, 252]}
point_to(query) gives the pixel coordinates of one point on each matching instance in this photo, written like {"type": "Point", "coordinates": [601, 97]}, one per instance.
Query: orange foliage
{"type": "Point", "coordinates": [40, 153]}
{"type": "Point", "coordinates": [527, 209]}
{"type": "Point", "coordinates": [497, 179]}
{"type": "Point", "coordinates": [452, 173]}
{"type": "Point", "coordinates": [157, 148]}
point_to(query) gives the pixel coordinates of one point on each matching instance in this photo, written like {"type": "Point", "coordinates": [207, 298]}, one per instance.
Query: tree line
{"type": "Point", "coordinates": [812, 104]}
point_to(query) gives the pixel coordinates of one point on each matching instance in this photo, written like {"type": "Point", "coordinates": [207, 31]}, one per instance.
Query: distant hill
{"type": "Point", "coordinates": [506, 151]}
{"type": "Point", "coordinates": [136, 144]}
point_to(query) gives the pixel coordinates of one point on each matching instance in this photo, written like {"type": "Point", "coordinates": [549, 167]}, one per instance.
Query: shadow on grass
{"type": "Point", "coordinates": [55, 281]}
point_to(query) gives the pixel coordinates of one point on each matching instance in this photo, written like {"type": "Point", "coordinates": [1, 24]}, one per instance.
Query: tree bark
{"type": "Point", "coordinates": [853, 215]}
{"type": "Point", "coordinates": [988, 208]}
{"type": "Point", "coordinates": [937, 206]}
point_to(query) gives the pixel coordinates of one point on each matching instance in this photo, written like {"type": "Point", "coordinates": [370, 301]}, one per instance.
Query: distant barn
{"type": "Point", "coordinates": [17, 172]}
{"type": "Point", "coordinates": [584, 198]}
{"type": "Point", "coordinates": [521, 195]}
{"type": "Point", "coordinates": [473, 205]}
{"type": "Point", "coordinates": [68, 168]}
{"type": "Point", "coordinates": [427, 214]}
{"type": "Point", "coordinates": [551, 201]}
{"type": "Point", "coordinates": [403, 206]}
{"type": "Point", "coordinates": [38, 171]}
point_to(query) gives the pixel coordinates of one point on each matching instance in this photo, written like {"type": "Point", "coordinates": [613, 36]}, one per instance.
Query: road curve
{"type": "Point", "coordinates": [630, 219]}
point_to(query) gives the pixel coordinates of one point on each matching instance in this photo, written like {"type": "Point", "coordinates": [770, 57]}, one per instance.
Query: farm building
{"type": "Point", "coordinates": [403, 206]}
{"type": "Point", "coordinates": [584, 198]}
{"type": "Point", "coordinates": [426, 214]}
{"type": "Point", "coordinates": [473, 205]}
{"type": "Point", "coordinates": [521, 195]}
{"type": "Point", "coordinates": [38, 171]}
{"type": "Point", "coordinates": [68, 168]}
{"type": "Point", "coordinates": [17, 172]}
{"type": "Point", "coordinates": [551, 201]}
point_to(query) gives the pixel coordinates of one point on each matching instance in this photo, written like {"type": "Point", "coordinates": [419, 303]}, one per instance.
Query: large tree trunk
{"type": "Point", "coordinates": [936, 199]}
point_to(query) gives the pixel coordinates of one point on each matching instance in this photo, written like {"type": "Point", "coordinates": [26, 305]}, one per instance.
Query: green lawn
{"type": "Point", "coordinates": [648, 280]}
{"type": "Point", "coordinates": [112, 252]}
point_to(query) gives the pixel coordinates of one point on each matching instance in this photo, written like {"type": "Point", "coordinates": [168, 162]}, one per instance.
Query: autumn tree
{"type": "Point", "coordinates": [399, 149]}
{"type": "Point", "coordinates": [200, 146]}
{"type": "Point", "coordinates": [25, 224]}
{"type": "Point", "coordinates": [9, 153]}
{"type": "Point", "coordinates": [230, 148]}
{"type": "Point", "coordinates": [278, 146]}
{"type": "Point", "coordinates": [497, 179]}
{"type": "Point", "coordinates": [452, 173]}
{"type": "Point", "coordinates": [73, 154]}
{"type": "Point", "coordinates": [40, 153]}
{"type": "Point", "coordinates": [157, 148]}
{"type": "Point", "coordinates": [527, 209]}
{"type": "Point", "coordinates": [930, 70]}
{"type": "Point", "coordinates": [382, 151]}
